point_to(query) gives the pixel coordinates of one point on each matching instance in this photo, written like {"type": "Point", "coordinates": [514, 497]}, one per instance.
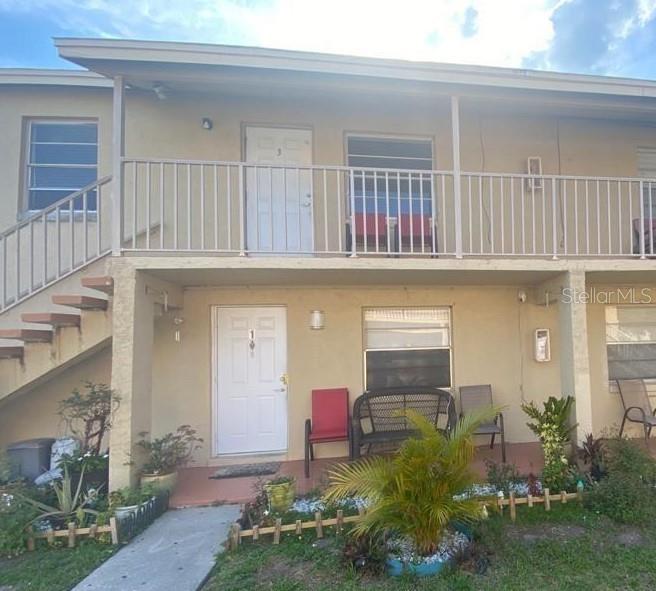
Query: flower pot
{"type": "Point", "coordinates": [281, 496]}
{"type": "Point", "coordinates": [397, 568]}
{"type": "Point", "coordinates": [162, 481]}
{"type": "Point", "coordinates": [122, 512]}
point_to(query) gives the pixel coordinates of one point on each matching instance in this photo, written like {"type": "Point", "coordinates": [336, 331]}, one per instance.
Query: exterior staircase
{"type": "Point", "coordinates": [43, 343]}
{"type": "Point", "coordinates": [55, 289]}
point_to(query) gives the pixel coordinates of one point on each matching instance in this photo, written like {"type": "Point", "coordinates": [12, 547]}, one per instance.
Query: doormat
{"type": "Point", "coordinates": [242, 470]}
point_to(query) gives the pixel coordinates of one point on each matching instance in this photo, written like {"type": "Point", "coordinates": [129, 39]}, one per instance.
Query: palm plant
{"type": "Point", "coordinates": [417, 492]}
{"type": "Point", "coordinates": [70, 505]}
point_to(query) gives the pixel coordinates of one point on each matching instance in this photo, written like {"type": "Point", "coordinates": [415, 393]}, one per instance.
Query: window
{"type": "Point", "coordinates": [631, 342]}
{"type": "Point", "coordinates": [62, 158]}
{"type": "Point", "coordinates": [391, 190]}
{"type": "Point", "coordinates": [407, 347]}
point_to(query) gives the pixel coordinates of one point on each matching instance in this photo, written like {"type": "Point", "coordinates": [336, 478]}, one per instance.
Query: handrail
{"type": "Point", "coordinates": [54, 206]}
{"type": "Point", "coordinates": [53, 243]}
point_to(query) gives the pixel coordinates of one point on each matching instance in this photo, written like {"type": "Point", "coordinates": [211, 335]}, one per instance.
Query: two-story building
{"type": "Point", "coordinates": [267, 222]}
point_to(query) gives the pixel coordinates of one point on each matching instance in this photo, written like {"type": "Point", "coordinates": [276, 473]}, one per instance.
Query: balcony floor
{"type": "Point", "coordinates": [196, 488]}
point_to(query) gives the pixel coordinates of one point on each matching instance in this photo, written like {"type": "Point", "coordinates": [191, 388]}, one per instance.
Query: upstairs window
{"type": "Point", "coordinates": [404, 183]}
{"type": "Point", "coordinates": [407, 347]}
{"type": "Point", "coordinates": [631, 342]}
{"type": "Point", "coordinates": [62, 158]}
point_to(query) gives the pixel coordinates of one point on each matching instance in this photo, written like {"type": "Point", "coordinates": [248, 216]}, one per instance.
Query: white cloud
{"type": "Point", "coordinates": [501, 32]}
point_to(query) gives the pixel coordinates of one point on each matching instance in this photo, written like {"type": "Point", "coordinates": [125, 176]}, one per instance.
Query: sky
{"type": "Point", "coordinates": [611, 37]}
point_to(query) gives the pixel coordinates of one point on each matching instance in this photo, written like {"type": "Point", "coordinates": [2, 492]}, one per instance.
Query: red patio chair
{"type": "Point", "coordinates": [413, 233]}
{"type": "Point", "coordinates": [330, 420]}
{"type": "Point", "coordinates": [370, 229]}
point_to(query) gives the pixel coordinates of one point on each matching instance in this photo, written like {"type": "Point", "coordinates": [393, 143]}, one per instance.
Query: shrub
{"type": "Point", "coordinates": [553, 428]}
{"type": "Point", "coordinates": [417, 492]}
{"type": "Point", "coordinates": [167, 453]}
{"type": "Point", "coordinates": [15, 516]}
{"type": "Point", "coordinates": [89, 414]}
{"type": "Point", "coordinates": [626, 494]}
{"type": "Point", "coordinates": [502, 476]}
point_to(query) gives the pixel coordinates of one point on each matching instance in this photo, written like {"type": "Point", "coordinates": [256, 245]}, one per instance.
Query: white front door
{"type": "Point", "coordinates": [250, 368]}
{"type": "Point", "coordinates": [279, 216]}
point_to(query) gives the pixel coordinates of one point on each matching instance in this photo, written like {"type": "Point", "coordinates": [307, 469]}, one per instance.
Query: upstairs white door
{"type": "Point", "coordinates": [279, 200]}
{"type": "Point", "coordinates": [250, 368]}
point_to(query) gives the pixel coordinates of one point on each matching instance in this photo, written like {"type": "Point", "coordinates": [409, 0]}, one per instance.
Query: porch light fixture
{"type": "Point", "coordinates": [317, 319]}
{"type": "Point", "coordinates": [207, 123]}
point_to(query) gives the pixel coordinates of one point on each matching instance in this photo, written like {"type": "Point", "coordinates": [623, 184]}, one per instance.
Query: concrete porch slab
{"type": "Point", "coordinates": [196, 488]}
{"type": "Point", "coordinates": [176, 552]}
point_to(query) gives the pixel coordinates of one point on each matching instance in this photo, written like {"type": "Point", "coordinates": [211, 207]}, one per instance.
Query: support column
{"type": "Point", "coordinates": [457, 187]}
{"type": "Point", "coordinates": [574, 355]}
{"type": "Point", "coordinates": [118, 152]}
{"type": "Point", "coordinates": [132, 352]}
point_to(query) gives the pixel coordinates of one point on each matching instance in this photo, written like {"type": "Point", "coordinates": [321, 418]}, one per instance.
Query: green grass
{"type": "Point", "coordinates": [53, 569]}
{"type": "Point", "coordinates": [567, 548]}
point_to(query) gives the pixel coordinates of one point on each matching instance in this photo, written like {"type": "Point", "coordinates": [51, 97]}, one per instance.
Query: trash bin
{"type": "Point", "coordinates": [30, 457]}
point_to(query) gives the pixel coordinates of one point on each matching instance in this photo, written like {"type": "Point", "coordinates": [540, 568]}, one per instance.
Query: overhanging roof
{"type": "Point", "coordinates": [26, 76]}
{"type": "Point", "coordinates": [112, 57]}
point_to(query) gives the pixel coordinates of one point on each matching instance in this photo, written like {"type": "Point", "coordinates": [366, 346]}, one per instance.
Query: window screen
{"type": "Point", "coordinates": [62, 159]}
{"type": "Point", "coordinates": [631, 342]}
{"type": "Point", "coordinates": [407, 347]}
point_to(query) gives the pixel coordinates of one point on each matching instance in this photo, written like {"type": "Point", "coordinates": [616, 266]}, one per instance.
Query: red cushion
{"type": "Point", "coordinates": [330, 413]}
{"type": "Point", "coordinates": [417, 222]}
{"type": "Point", "coordinates": [365, 224]}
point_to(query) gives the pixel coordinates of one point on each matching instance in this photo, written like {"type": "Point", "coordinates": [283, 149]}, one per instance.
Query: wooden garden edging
{"type": "Point", "coordinates": [236, 534]}
{"type": "Point", "coordinates": [72, 533]}
{"type": "Point", "coordinates": [531, 501]}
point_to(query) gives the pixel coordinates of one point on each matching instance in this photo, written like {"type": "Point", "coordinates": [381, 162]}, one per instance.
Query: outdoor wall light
{"type": "Point", "coordinates": [317, 320]}
{"type": "Point", "coordinates": [207, 123]}
{"type": "Point", "coordinates": [177, 322]}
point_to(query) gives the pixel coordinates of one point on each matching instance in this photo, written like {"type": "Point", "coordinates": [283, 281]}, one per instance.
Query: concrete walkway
{"type": "Point", "coordinates": [176, 552]}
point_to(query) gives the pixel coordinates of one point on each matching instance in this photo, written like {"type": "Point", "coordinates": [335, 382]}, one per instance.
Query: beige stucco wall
{"type": "Point", "coordinates": [34, 414]}
{"type": "Point", "coordinates": [487, 348]}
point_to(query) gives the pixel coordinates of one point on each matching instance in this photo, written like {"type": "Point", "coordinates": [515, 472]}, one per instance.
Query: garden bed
{"type": "Point", "coordinates": [566, 548]}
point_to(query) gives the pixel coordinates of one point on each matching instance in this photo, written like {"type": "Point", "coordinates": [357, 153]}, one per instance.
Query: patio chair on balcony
{"type": "Point", "coordinates": [371, 231]}
{"type": "Point", "coordinates": [329, 422]}
{"type": "Point", "coordinates": [473, 398]}
{"type": "Point", "coordinates": [416, 232]}
{"type": "Point", "coordinates": [637, 407]}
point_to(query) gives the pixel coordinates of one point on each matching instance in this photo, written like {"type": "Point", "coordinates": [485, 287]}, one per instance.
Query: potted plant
{"type": "Point", "coordinates": [281, 492]}
{"type": "Point", "coordinates": [126, 500]}
{"type": "Point", "coordinates": [415, 497]}
{"type": "Point", "coordinates": [164, 455]}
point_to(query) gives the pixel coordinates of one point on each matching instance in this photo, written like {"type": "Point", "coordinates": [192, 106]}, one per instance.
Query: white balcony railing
{"type": "Point", "coordinates": [234, 207]}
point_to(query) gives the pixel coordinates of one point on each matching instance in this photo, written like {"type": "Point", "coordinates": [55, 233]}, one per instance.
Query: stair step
{"type": "Point", "coordinates": [52, 318]}
{"type": "Point", "coordinates": [11, 352]}
{"type": "Point", "coordinates": [27, 335]}
{"type": "Point", "coordinates": [82, 302]}
{"type": "Point", "coordinates": [103, 283]}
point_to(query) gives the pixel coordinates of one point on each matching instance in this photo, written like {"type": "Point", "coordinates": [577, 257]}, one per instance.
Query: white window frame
{"type": "Point", "coordinates": [650, 380]}
{"type": "Point", "coordinates": [442, 348]}
{"type": "Point", "coordinates": [384, 136]}
{"type": "Point", "coordinates": [27, 148]}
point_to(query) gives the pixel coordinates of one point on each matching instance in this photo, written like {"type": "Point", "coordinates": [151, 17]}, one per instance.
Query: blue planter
{"type": "Point", "coordinates": [396, 568]}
